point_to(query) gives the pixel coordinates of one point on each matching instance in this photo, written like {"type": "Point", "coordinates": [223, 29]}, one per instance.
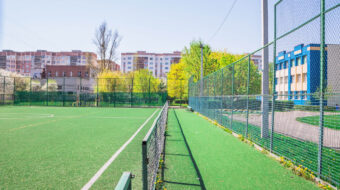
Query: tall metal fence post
{"type": "Point", "coordinates": [80, 91]}
{"type": "Point", "coordinates": [322, 84]}
{"type": "Point", "coordinates": [14, 88]}
{"type": "Point", "coordinates": [144, 165]}
{"type": "Point", "coordinates": [64, 91]}
{"type": "Point", "coordinates": [30, 97]}
{"type": "Point", "coordinates": [4, 91]}
{"type": "Point", "coordinates": [232, 97]}
{"type": "Point", "coordinates": [114, 92]}
{"type": "Point", "coordinates": [248, 79]}
{"type": "Point", "coordinates": [97, 92]}
{"type": "Point", "coordinates": [131, 93]}
{"type": "Point", "coordinates": [221, 114]}
{"type": "Point", "coordinates": [47, 91]}
{"type": "Point", "coordinates": [273, 86]}
{"type": "Point", "coordinates": [150, 91]}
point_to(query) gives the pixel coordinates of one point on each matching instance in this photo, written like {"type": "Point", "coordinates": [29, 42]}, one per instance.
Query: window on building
{"type": "Point", "coordinates": [298, 78]}
{"type": "Point", "coordinates": [304, 76]}
{"type": "Point", "coordinates": [56, 73]}
{"type": "Point", "coordinates": [298, 61]}
{"type": "Point", "coordinates": [292, 63]}
{"type": "Point", "coordinates": [166, 67]}
{"type": "Point", "coordinates": [304, 59]}
{"type": "Point", "coordinates": [71, 74]}
{"type": "Point", "coordinates": [129, 63]}
{"type": "Point", "coordinates": [150, 63]}
{"type": "Point", "coordinates": [151, 58]}
{"type": "Point", "coordinates": [286, 80]}
{"type": "Point", "coordinates": [151, 68]}
{"type": "Point", "coordinates": [129, 58]}
{"type": "Point", "coordinates": [86, 74]}
{"type": "Point", "coordinates": [293, 79]}
{"type": "Point", "coordinates": [161, 59]}
{"type": "Point", "coordinates": [166, 58]}
{"type": "Point", "coordinates": [79, 73]}
{"type": "Point", "coordinates": [64, 74]}
{"type": "Point", "coordinates": [278, 67]}
{"type": "Point", "coordinates": [129, 67]}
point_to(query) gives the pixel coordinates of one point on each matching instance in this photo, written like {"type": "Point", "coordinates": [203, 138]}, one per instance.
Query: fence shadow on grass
{"type": "Point", "coordinates": [178, 158]}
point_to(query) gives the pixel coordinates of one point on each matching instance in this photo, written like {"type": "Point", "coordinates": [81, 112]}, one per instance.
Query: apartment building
{"type": "Point", "coordinates": [298, 73]}
{"type": "Point", "coordinates": [257, 60]}
{"type": "Point", "coordinates": [33, 63]}
{"type": "Point", "coordinates": [158, 63]}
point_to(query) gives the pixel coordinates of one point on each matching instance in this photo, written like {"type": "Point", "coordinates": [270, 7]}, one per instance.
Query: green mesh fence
{"type": "Point", "coordinates": [74, 91]}
{"type": "Point", "coordinates": [299, 117]}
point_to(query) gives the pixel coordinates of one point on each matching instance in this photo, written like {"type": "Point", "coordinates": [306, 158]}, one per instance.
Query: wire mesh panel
{"type": "Point", "coordinates": [78, 91]}
{"type": "Point", "coordinates": [298, 117]}
{"type": "Point", "coordinates": [152, 148]}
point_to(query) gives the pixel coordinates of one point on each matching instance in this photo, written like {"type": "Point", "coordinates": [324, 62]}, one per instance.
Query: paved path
{"type": "Point", "coordinates": [286, 123]}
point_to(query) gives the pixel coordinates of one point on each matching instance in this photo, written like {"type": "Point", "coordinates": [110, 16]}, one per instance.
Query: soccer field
{"type": "Point", "coordinates": [63, 148]}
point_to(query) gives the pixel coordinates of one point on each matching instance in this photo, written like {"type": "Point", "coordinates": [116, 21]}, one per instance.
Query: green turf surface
{"type": "Point", "coordinates": [330, 121]}
{"type": "Point", "coordinates": [62, 148]}
{"type": "Point", "coordinates": [179, 171]}
{"type": "Point", "coordinates": [227, 163]}
{"type": "Point", "coordinates": [300, 152]}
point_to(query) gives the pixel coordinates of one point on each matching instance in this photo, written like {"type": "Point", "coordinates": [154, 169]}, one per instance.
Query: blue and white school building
{"type": "Point", "coordinates": [298, 73]}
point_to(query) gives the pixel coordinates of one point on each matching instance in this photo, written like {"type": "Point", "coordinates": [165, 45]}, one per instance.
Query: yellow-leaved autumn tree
{"type": "Point", "coordinates": [178, 81]}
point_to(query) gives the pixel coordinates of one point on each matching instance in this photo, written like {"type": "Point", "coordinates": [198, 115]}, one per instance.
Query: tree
{"type": "Point", "coordinates": [191, 58]}
{"type": "Point", "coordinates": [107, 43]}
{"type": "Point", "coordinates": [144, 82]}
{"type": "Point", "coordinates": [178, 81]}
{"type": "Point", "coordinates": [109, 81]}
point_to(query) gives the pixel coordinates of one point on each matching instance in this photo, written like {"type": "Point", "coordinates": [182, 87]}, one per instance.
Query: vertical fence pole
{"type": "Point", "coordinates": [248, 79]}
{"type": "Point", "coordinates": [149, 91]}
{"type": "Point", "coordinates": [14, 88]}
{"type": "Point", "coordinates": [221, 114]}
{"type": "Point", "coordinates": [131, 93]}
{"type": "Point", "coordinates": [144, 165]}
{"type": "Point", "coordinates": [322, 85]}
{"type": "Point", "coordinates": [47, 91]}
{"type": "Point", "coordinates": [97, 91]}
{"type": "Point", "coordinates": [114, 92]}
{"type": "Point", "coordinates": [232, 96]}
{"type": "Point", "coordinates": [80, 91]}
{"type": "Point", "coordinates": [4, 91]}
{"type": "Point", "coordinates": [273, 86]}
{"type": "Point", "coordinates": [30, 103]}
{"type": "Point", "coordinates": [63, 91]}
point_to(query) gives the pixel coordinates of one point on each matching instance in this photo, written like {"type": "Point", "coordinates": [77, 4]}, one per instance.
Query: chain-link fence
{"type": "Point", "coordinates": [293, 108]}
{"type": "Point", "coordinates": [152, 148]}
{"type": "Point", "coordinates": [76, 91]}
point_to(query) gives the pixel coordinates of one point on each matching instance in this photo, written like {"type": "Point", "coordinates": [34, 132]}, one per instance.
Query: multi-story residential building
{"type": "Point", "coordinates": [33, 63]}
{"type": "Point", "coordinates": [158, 63]}
{"type": "Point", "coordinates": [298, 73]}
{"type": "Point", "coordinates": [113, 66]}
{"type": "Point", "coordinates": [257, 60]}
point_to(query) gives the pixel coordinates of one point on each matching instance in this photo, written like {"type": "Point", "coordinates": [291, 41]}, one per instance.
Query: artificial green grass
{"type": "Point", "coordinates": [66, 150]}
{"type": "Point", "coordinates": [227, 163]}
{"type": "Point", "coordinates": [179, 171]}
{"type": "Point", "coordinates": [301, 152]}
{"type": "Point", "coordinates": [330, 121]}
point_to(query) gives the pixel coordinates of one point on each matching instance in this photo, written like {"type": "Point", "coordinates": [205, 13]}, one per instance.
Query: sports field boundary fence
{"type": "Point", "coordinates": [299, 115]}
{"type": "Point", "coordinates": [152, 148]}
{"type": "Point", "coordinates": [81, 92]}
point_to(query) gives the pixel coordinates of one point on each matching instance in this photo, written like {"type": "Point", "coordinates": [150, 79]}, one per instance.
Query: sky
{"type": "Point", "coordinates": [149, 25]}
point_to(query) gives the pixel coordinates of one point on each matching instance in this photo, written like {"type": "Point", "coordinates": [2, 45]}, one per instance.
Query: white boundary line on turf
{"type": "Point", "coordinates": [114, 156]}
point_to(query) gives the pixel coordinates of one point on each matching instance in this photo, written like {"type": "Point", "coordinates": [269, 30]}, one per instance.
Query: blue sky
{"type": "Point", "coordinates": [151, 25]}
